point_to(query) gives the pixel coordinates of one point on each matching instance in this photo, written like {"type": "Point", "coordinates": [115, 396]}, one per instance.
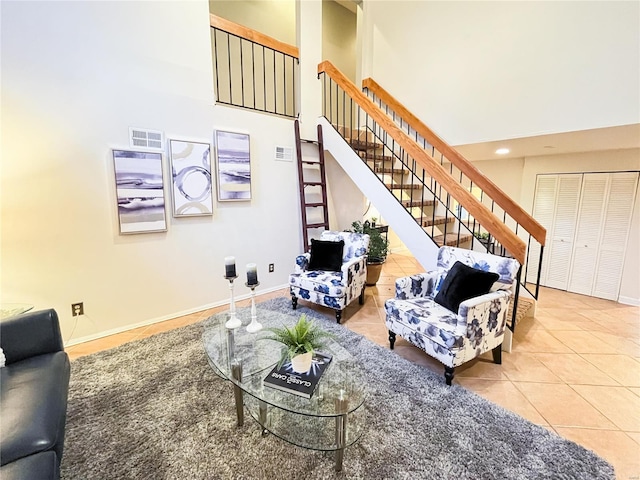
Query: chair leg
{"type": "Point", "coordinates": [361, 299]}
{"type": "Point", "coordinates": [294, 302]}
{"type": "Point", "coordinates": [497, 354]}
{"type": "Point", "coordinates": [448, 375]}
{"type": "Point", "coordinates": [392, 339]}
{"type": "Point", "coordinates": [338, 315]}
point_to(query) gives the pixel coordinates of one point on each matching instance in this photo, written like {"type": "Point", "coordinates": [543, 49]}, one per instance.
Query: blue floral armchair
{"type": "Point", "coordinates": [333, 289]}
{"type": "Point", "coordinates": [453, 338]}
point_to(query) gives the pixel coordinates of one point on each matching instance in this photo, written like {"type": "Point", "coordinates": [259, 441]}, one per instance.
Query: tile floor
{"type": "Point", "coordinates": [574, 368]}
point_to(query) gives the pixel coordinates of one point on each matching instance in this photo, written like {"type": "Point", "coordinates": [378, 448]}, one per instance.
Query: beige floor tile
{"type": "Point", "coordinates": [481, 367]}
{"type": "Point", "coordinates": [561, 406]}
{"type": "Point", "coordinates": [618, 404]}
{"type": "Point", "coordinates": [635, 390]}
{"type": "Point", "coordinates": [622, 368]}
{"type": "Point", "coordinates": [505, 394]}
{"type": "Point", "coordinates": [364, 314]}
{"type": "Point", "coordinates": [572, 368]}
{"type": "Point", "coordinates": [621, 343]}
{"type": "Point", "coordinates": [635, 436]}
{"type": "Point", "coordinates": [526, 367]}
{"type": "Point", "coordinates": [583, 342]}
{"type": "Point", "coordinates": [614, 446]}
{"type": "Point", "coordinates": [538, 341]}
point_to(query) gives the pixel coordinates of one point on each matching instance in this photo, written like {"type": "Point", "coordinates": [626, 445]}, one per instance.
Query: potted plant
{"type": "Point", "coordinates": [300, 341]}
{"type": "Point", "coordinates": [378, 249]}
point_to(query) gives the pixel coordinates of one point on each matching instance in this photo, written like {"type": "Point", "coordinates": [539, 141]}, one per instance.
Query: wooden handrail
{"type": "Point", "coordinates": [252, 35]}
{"type": "Point", "coordinates": [516, 212]}
{"type": "Point", "coordinates": [514, 244]}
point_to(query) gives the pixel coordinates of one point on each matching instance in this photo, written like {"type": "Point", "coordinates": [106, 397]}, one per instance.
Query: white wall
{"type": "Point", "coordinates": [75, 76]}
{"type": "Point", "coordinates": [480, 71]}
{"type": "Point", "coordinates": [339, 37]}
{"type": "Point", "coordinates": [276, 18]}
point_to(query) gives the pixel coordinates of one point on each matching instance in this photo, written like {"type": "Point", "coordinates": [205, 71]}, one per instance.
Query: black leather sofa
{"type": "Point", "coordinates": [34, 386]}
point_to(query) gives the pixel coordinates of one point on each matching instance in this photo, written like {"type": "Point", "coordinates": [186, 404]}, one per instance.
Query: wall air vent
{"type": "Point", "coordinates": [140, 137]}
{"type": "Point", "coordinates": [284, 154]}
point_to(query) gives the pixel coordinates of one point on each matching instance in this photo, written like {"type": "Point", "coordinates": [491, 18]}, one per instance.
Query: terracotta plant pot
{"type": "Point", "coordinates": [373, 273]}
{"type": "Point", "coordinates": [302, 363]}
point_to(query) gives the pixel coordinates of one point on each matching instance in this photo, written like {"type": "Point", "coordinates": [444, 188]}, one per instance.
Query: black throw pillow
{"type": "Point", "coordinates": [326, 255]}
{"type": "Point", "coordinates": [462, 283]}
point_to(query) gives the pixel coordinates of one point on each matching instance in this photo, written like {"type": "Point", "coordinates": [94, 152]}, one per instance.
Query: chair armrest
{"type": "Point", "coordinates": [486, 313]}
{"type": "Point", "coordinates": [302, 262]}
{"type": "Point", "coordinates": [354, 264]}
{"type": "Point", "coordinates": [30, 334]}
{"type": "Point", "coordinates": [416, 286]}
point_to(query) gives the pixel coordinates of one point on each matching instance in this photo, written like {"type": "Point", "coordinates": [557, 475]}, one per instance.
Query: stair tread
{"type": "Point", "coordinates": [315, 204]}
{"type": "Point", "coordinates": [398, 186]}
{"type": "Point", "coordinates": [418, 203]}
{"type": "Point", "coordinates": [429, 221]}
{"type": "Point", "coordinates": [452, 239]}
{"type": "Point", "coordinates": [393, 171]}
{"type": "Point", "coordinates": [317, 225]}
{"type": "Point", "coordinates": [312, 183]}
{"type": "Point", "coordinates": [362, 145]}
{"type": "Point", "coordinates": [376, 157]}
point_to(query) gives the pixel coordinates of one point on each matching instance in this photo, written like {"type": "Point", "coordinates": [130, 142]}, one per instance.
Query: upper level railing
{"type": "Point", "coordinates": [501, 205]}
{"type": "Point", "coordinates": [253, 70]}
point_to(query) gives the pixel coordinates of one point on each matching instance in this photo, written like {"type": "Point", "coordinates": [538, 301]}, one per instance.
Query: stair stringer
{"type": "Point", "coordinates": [407, 229]}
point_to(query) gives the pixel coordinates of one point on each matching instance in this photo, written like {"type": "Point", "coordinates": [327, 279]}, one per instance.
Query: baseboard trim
{"type": "Point", "coordinates": [629, 301]}
{"type": "Point", "coordinates": [164, 318]}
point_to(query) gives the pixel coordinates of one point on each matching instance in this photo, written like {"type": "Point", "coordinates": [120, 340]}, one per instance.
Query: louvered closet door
{"type": "Point", "coordinates": [588, 229]}
{"type": "Point", "coordinates": [544, 205]}
{"type": "Point", "coordinates": [564, 227]}
{"type": "Point", "coordinates": [615, 231]}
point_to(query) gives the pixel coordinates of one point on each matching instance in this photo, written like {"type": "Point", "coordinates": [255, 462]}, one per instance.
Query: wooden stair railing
{"type": "Point", "coordinates": [494, 192]}
{"type": "Point", "coordinates": [503, 234]}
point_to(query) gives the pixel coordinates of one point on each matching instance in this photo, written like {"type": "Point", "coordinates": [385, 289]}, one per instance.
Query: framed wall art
{"type": "Point", "coordinates": [140, 192]}
{"type": "Point", "coordinates": [190, 178]}
{"type": "Point", "coordinates": [233, 166]}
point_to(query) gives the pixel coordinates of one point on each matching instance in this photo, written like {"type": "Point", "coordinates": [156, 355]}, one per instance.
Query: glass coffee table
{"type": "Point", "coordinates": [331, 420]}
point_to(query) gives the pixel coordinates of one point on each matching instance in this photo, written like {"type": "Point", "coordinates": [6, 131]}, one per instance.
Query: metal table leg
{"type": "Point", "coordinates": [236, 372]}
{"type": "Point", "coordinates": [342, 405]}
{"type": "Point", "coordinates": [262, 416]}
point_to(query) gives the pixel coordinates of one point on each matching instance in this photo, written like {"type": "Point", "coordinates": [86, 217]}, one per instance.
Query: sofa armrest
{"type": "Point", "coordinates": [30, 334]}
{"type": "Point", "coordinates": [416, 286]}
{"type": "Point", "coordinates": [302, 262]}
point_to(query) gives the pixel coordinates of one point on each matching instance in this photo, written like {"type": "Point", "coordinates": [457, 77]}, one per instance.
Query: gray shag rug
{"type": "Point", "coordinates": [154, 409]}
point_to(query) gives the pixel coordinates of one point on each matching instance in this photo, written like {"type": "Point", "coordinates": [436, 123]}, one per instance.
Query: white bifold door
{"type": "Point", "coordinates": [587, 217]}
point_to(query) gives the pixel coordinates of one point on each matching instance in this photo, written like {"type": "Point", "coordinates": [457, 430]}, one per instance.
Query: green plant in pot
{"type": "Point", "coordinates": [378, 249]}
{"type": "Point", "coordinates": [300, 341]}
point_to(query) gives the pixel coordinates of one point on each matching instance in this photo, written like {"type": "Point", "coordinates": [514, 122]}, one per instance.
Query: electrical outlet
{"type": "Point", "coordinates": [271, 268]}
{"type": "Point", "coordinates": [77, 309]}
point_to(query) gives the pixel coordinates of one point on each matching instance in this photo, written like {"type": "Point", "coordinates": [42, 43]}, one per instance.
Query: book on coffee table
{"type": "Point", "coordinates": [302, 384]}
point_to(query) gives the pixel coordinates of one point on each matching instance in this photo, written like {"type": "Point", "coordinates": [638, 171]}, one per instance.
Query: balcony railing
{"type": "Point", "coordinates": [253, 70]}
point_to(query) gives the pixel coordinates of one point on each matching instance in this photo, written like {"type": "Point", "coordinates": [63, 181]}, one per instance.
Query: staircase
{"type": "Point", "coordinates": [439, 191]}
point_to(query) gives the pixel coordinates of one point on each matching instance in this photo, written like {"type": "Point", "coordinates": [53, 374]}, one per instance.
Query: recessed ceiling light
{"type": "Point", "coordinates": [502, 151]}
